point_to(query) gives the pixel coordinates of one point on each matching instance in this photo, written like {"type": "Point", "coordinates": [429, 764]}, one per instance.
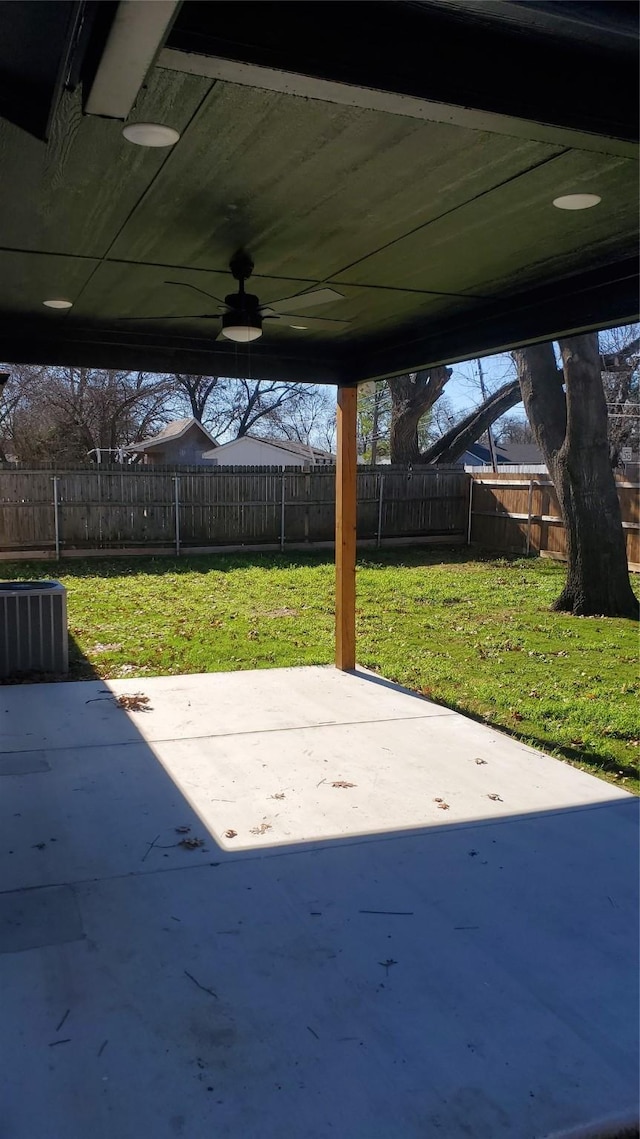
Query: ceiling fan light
{"type": "Point", "coordinates": [240, 329]}
{"type": "Point", "coordinates": [242, 333]}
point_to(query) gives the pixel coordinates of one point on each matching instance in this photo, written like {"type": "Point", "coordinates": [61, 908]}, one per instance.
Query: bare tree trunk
{"type": "Point", "coordinates": [571, 431]}
{"type": "Point", "coordinates": [451, 446]}
{"type": "Point", "coordinates": [411, 398]}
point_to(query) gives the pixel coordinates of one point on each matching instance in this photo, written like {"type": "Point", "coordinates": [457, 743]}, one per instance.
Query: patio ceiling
{"type": "Point", "coordinates": [410, 165]}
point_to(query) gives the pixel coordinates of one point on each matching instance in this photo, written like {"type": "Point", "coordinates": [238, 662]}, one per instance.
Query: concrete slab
{"type": "Point", "coordinates": [373, 965]}
{"type": "Point", "coordinates": [210, 704]}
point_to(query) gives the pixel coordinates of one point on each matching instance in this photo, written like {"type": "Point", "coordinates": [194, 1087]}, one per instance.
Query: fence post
{"type": "Point", "coordinates": [282, 506]}
{"type": "Point", "coordinates": [56, 517]}
{"type": "Point", "coordinates": [307, 495]}
{"type": "Point", "coordinates": [177, 512]}
{"type": "Point", "coordinates": [380, 490]}
{"type": "Point", "coordinates": [529, 516]}
{"type": "Point", "coordinates": [470, 519]}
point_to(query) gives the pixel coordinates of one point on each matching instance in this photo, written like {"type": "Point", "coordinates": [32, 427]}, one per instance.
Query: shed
{"type": "Point", "coordinates": [182, 442]}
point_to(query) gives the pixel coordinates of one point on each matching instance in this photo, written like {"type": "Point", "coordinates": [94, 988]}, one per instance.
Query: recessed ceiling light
{"type": "Point", "coordinates": [150, 134]}
{"type": "Point", "coordinates": [301, 327]}
{"type": "Point", "coordinates": [576, 201]}
{"type": "Point", "coordinates": [58, 304]}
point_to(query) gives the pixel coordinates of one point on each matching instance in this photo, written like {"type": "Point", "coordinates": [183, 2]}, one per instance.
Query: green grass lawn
{"type": "Point", "coordinates": [474, 634]}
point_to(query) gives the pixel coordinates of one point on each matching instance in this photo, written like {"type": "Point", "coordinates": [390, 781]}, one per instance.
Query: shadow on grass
{"type": "Point", "coordinates": [160, 565]}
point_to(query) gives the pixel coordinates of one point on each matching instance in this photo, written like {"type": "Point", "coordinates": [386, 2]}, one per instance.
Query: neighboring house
{"type": "Point", "coordinates": [181, 443]}
{"type": "Point", "coordinates": [514, 454]}
{"type": "Point", "coordinates": [251, 451]}
{"type": "Point", "coordinates": [477, 455]}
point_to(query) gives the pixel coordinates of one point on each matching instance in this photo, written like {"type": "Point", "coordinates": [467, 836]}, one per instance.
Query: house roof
{"type": "Point", "coordinates": [421, 195]}
{"type": "Point", "coordinates": [295, 447]}
{"type": "Point", "coordinates": [519, 453]}
{"type": "Point", "coordinates": [483, 454]}
{"type": "Point", "coordinates": [291, 447]}
{"type": "Point", "coordinates": [169, 434]}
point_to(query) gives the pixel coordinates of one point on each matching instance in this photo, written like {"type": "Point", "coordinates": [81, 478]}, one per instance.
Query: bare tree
{"type": "Point", "coordinates": [241, 406]}
{"type": "Point", "coordinates": [412, 395]}
{"type": "Point", "coordinates": [513, 429]}
{"type": "Point", "coordinates": [312, 420]}
{"type": "Point", "coordinates": [197, 390]}
{"type": "Point", "coordinates": [568, 414]}
{"type": "Point", "coordinates": [62, 414]}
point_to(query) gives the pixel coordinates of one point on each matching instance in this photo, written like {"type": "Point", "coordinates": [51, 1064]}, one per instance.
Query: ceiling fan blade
{"type": "Point", "coordinates": [186, 285]}
{"type": "Point", "coordinates": [302, 322]}
{"type": "Point", "coordinates": [305, 300]}
{"type": "Point", "coordinates": [205, 316]}
{"type": "Point", "coordinates": [314, 323]}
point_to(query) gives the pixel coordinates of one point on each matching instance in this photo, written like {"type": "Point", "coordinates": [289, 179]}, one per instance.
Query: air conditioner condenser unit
{"type": "Point", "coordinates": [33, 628]}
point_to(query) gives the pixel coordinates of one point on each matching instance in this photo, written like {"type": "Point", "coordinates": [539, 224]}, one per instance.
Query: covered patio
{"type": "Point", "coordinates": [305, 902]}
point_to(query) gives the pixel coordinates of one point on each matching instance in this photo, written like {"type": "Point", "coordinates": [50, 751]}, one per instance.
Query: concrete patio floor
{"type": "Point", "coordinates": [396, 923]}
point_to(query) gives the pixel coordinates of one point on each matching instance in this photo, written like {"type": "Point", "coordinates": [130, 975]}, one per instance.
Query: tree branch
{"type": "Point", "coordinates": [463, 434]}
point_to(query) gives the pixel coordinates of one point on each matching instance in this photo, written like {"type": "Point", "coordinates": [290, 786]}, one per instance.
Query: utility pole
{"type": "Point", "coordinates": [492, 448]}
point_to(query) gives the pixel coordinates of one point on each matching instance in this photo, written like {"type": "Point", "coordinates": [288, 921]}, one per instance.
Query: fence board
{"type": "Point", "coordinates": [115, 508]}
{"type": "Point", "coordinates": [500, 516]}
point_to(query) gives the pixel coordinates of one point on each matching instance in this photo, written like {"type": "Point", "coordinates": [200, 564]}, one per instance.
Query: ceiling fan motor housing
{"type": "Point", "coordinates": [243, 310]}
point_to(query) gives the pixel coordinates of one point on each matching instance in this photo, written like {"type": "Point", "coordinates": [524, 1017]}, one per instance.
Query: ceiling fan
{"type": "Point", "coordinates": [242, 314]}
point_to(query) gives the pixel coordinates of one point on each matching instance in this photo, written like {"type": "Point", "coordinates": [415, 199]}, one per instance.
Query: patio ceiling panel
{"type": "Point", "coordinates": [309, 186]}
{"type": "Point", "coordinates": [27, 279]}
{"type": "Point", "coordinates": [512, 236]}
{"type": "Point", "coordinates": [74, 194]}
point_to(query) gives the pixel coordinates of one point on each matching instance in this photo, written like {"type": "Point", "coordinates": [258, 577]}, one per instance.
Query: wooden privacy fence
{"type": "Point", "coordinates": [521, 515]}
{"type": "Point", "coordinates": [162, 510]}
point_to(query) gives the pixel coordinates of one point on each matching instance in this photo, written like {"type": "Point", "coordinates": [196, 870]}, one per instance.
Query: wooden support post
{"type": "Point", "coordinates": [346, 507]}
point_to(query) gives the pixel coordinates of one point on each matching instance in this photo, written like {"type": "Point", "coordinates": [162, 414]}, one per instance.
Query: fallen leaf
{"type": "Point", "coordinates": [191, 843]}
{"type": "Point", "coordinates": [496, 798]}
{"type": "Point", "coordinates": [480, 761]}
{"type": "Point", "coordinates": [343, 783]}
{"type": "Point", "coordinates": [182, 830]}
{"type": "Point", "coordinates": [278, 795]}
{"type": "Point", "coordinates": [517, 716]}
{"type": "Point", "coordinates": [230, 834]}
{"type": "Point", "coordinates": [443, 806]}
{"type": "Point", "coordinates": [261, 829]}
{"type": "Point", "coordinates": [134, 703]}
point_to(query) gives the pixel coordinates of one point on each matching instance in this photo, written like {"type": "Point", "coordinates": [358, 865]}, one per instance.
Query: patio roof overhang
{"type": "Point", "coordinates": [406, 154]}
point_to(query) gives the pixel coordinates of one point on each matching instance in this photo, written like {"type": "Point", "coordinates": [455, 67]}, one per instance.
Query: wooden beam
{"type": "Point", "coordinates": [603, 297]}
{"type": "Point", "coordinates": [373, 98]}
{"type": "Point", "coordinates": [346, 507]}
